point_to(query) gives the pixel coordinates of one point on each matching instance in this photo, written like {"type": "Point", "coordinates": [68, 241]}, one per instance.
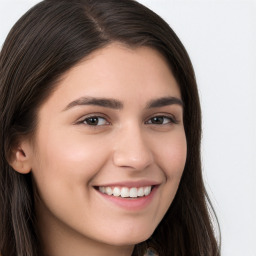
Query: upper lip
{"type": "Point", "coordinates": [130, 184]}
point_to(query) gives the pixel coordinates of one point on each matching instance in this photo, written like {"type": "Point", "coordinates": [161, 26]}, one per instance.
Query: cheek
{"type": "Point", "coordinates": [70, 154]}
{"type": "Point", "coordinates": [172, 159]}
{"type": "Point", "coordinates": [172, 155]}
{"type": "Point", "coordinates": [65, 165]}
{"type": "Point", "coordinates": [63, 168]}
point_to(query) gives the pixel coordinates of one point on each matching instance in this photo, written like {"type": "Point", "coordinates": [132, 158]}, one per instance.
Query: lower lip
{"type": "Point", "coordinates": [131, 204]}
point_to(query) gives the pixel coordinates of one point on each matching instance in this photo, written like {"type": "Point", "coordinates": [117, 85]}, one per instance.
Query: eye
{"type": "Point", "coordinates": [160, 120]}
{"type": "Point", "coordinates": [95, 121]}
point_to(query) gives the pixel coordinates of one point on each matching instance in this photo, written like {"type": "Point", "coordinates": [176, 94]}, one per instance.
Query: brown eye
{"type": "Point", "coordinates": [159, 120]}
{"type": "Point", "coordinates": [95, 121]}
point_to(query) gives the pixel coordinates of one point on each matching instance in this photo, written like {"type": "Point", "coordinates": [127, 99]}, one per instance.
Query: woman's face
{"type": "Point", "coordinates": [109, 150]}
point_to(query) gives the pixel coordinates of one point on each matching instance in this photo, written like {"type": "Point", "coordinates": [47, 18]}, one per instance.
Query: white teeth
{"type": "Point", "coordinates": [116, 191]}
{"type": "Point", "coordinates": [126, 192]}
{"type": "Point", "coordinates": [147, 191]}
{"type": "Point", "coordinates": [133, 192]}
{"type": "Point", "coordinates": [109, 191]}
{"type": "Point", "coordinates": [141, 192]}
{"type": "Point", "coordinates": [102, 189]}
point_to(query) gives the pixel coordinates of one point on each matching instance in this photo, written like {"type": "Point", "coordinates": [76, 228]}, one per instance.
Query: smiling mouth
{"type": "Point", "coordinates": [125, 192]}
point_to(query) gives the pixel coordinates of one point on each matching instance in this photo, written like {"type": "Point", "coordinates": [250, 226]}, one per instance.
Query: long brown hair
{"type": "Point", "coordinates": [46, 42]}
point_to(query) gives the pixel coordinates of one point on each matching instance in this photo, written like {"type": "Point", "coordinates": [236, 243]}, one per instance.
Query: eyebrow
{"type": "Point", "coordinates": [165, 101]}
{"type": "Point", "coordinates": [115, 104]}
{"type": "Point", "coordinates": [102, 102]}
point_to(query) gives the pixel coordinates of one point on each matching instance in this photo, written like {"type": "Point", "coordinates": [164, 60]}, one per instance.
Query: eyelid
{"type": "Point", "coordinates": [97, 115]}
{"type": "Point", "coordinates": [173, 119]}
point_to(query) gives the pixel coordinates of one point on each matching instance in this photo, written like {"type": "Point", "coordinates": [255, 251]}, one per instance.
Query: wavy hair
{"type": "Point", "coordinates": [47, 41]}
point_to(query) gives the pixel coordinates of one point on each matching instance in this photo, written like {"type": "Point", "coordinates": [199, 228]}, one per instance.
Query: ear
{"type": "Point", "coordinates": [21, 158]}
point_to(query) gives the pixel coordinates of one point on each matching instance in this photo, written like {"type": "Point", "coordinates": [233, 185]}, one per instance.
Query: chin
{"type": "Point", "coordinates": [130, 238]}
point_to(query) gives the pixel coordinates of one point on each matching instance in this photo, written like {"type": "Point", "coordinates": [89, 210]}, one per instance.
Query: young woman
{"type": "Point", "coordinates": [100, 136]}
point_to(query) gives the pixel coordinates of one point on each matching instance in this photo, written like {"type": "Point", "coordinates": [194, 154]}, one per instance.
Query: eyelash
{"type": "Point", "coordinates": [171, 120]}
{"type": "Point", "coordinates": [93, 117]}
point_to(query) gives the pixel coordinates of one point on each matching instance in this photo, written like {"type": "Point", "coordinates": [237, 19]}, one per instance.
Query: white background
{"type": "Point", "coordinates": [220, 37]}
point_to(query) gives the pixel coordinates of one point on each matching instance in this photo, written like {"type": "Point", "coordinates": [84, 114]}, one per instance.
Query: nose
{"type": "Point", "coordinates": [132, 150]}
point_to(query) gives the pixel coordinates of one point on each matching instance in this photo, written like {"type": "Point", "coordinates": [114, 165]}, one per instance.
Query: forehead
{"type": "Point", "coordinates": [117, 71]}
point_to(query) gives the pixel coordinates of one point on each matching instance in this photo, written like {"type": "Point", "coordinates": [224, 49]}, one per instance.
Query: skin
{"type": "Point", "coordinates": [69, 157]}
